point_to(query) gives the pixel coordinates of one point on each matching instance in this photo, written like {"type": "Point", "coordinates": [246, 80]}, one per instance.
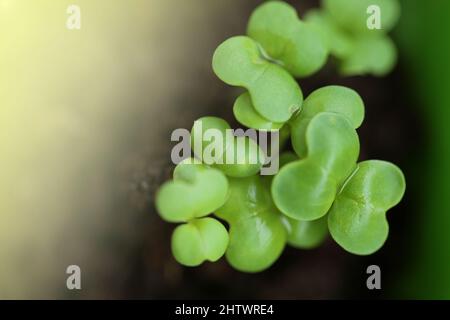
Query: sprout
{"type": "Point", "coordinates": [305, 189]}
{"type": "Point", "coordinates": [257, 234]}
{"type": "Point", "coordinates": [357, 220]}
{"type": "Point", "coordinates": [320, 188]}
{"type": "Point", "coordinates": [198, 191]}
{"type": "Point", "coordinates": [199, 240]}
{"type": "Point", "coordinates": [275, 94]}
{"type": "Point", "coordinates": [338, 99]}
{"type": "Point", "coordinates": [235, 156]}
{"type": "Point", "coordinates": [246, 114]}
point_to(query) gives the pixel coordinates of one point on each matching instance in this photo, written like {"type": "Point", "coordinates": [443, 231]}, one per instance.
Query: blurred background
{"type": "Point", "coordinates": [85, 123]}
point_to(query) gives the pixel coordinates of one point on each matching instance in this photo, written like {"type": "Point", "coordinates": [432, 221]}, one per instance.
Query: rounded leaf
{"type": "Point", "coordinates": [277, 27]}
{"type": "Point", "coordinates": [199, 240]}
{"type": "Point", "coordinates": [242, 158]}
{"type": "Point", "coordinates": [246, 114]}
{"type": "Point", "coordinates": [209, 132]}
{"type": "Point", "coordinates": [305, 189]}
{"type": "Point", "coordinates": [274, 93]}
{"type": "Point", "coordinates": [257, 234]}
{"type": "Point", "coordinates": [357, 220]}
{"type": "Point", "coordinates": [236, 156]}
{"type": "Point", "coordinates": [338, 99]}
{"type": "Point", "coordinates": [196, 191]}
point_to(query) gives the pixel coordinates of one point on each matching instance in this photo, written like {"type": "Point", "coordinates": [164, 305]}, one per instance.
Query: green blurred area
{"type": "Point", "coordinates": [423, 37]}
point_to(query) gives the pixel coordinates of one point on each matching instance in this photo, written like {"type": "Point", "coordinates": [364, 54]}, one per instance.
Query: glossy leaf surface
{"type": "Point", "coordinates": [199, 240]}
{"type": "Point", "coordinates": [257, 234]}
{"type": "Point", "coordinates": [305, 189]}
{"type": "Point", "coordinates": [357, 220]}
{"type": "Point", "coordinates": [239, 61]}
{"type": "Point", "coordinates": [195, 191]}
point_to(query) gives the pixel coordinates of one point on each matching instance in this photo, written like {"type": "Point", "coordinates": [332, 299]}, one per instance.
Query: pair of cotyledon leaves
{"type": "Point", "coordinates": [194, 192]}
{"type": "Point", "coordinates": [256, 236]}
{"type": "Point", "coordinates": [353, 195]}
{"type": "Point", "coordinates": [280, 46]}
{"type": "Point", "coordinates": [325, 189]}
{"type": "Point", "coordinates": [327, 178]}
{"type": "Point", "coordinates": [258, 232]}
{"type": "Point", "coordinates": [198, 190]}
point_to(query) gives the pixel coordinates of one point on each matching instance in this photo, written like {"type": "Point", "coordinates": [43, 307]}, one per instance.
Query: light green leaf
{"type": "Point", "coordinates": [199, 240]}
{"type": "Point", "coordinates": [305, 189]}
{"type": "Point", "coordinates": [275, 95]}
{"type": "Point", "coordinates": [246, 114]}
{"type": "Point", "coordinates": [277, 27]}
{"type": "Point", "coordinates": [196, 191]}
{"type": "Point", "coordinates": [338, 99]}
{"type": "Point", "coordinates": [235, 156]}
{"type": "Point", "coordinates": [257, 234]}
{"type": "Point", "coordinates": [357, 220]}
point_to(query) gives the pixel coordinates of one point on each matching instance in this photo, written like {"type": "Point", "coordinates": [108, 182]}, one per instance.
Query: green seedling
{"type": "Point", "coordinates": [305, 189]}
{"type": "Point", "coordinates": [195, 191]}
{"type": "Point", "coordinates": [320, 187]}
{"type": "Point", "coordinates": [199, 240]}
{"type": "Point", "coordinates": [338, 99]}
{"type": "Point", "coordinates": [211, 137]}
{"type": "Point", "coordinates": [240, 61]}
{"type": "Point", "coordinates": [357, 220]}
{"type": "Point", "coordinates": [293, 43]}
{"type": "Point", "coordinates": [303, 234]}
{"type": "Point", "coordinates": [257, 234]}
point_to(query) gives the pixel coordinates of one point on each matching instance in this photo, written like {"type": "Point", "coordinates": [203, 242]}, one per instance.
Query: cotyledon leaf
{"type": "Point", "coordinates": [246, 114]}
{"type": "Point", "coordinates": [257, 234]}
{"type": "Point", "coordinates": [357, 220]}
{"type": "Point", "coordinates": [236, 156]}
{"type": "Point", "coordinates": [277, 27]}
{"type": "Point", "coordinates": [275, 94]}
{"type": "Point", "coordinates": [195, 191]}
{"type": "Point", "coordinates": [305, 189]}
{"type": "Point", "coordinates": [339, 99]}
{"type": "Point", "coordinates": [199, 240]}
